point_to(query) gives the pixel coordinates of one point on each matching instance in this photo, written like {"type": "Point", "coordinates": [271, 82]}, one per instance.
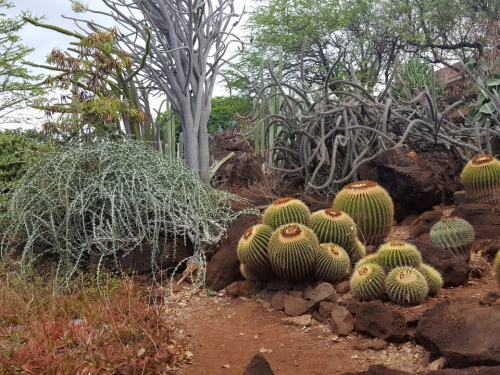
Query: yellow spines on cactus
{"type": "Point", "coordinates": [371, 208]}
{"type": "Point", "coordinates": [368, 282]}
{"type": "Point", "coordinates": [397, 254]}
{"type": "Point", "coordinates": [252, 251]}
{"type": "Point", "coordinates": [496, 267]}
{"type": "Point", "coordinates": [358, 253]}
{"type": "Point", "coordinates": [406, 286]}
{"type": "Point", "coordinates": [332, 263]}
{"type": "Point", "coordinates": [247, 274]}
{"type": "Point", "coordinates": [433, 278]}
{"type": "Point", "coordinates": [481, 179]}
{"type": "Point", "coordinates": [286, 211]}
{"type": "Point", "coordinates": [292, 251]}
{"type": "Point", "coordinates": [335, 226]}
{"type": "Point", "coordinates": [368, 259]}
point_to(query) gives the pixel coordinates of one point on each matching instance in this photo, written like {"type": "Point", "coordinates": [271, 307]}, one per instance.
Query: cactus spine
{"type": "Point", "coordinates": [371, 208]}
{"type": "Point", "coordinates": [332, 263]}
{"type": "Point", "coordinates": [292, 251]}
{"type": "Point", "coordinates": [481, 179]}
{"type": "Point", "coordinates": [247, 274]}
{"type": "Point", "coordinates": [368, 259]}
{"type": "Point", "coordinates": [368, 282]}
{"type": "Point", "coordinates": [252, 251]}
{"type": "Point", "coordinates": [358, 253]}
{"type": "Point", "coordinates": [453, 234]}
{"type": "Point", "coordinates": [286, 211]}
{"type": "Point", "coordinates": [432, 277]}
{"type": "Point", "coordinates": [397, 254]}
{"type": "Point", "coordinates": [406, 286]}
{"type": "Point", "coordinates": [335, 226]}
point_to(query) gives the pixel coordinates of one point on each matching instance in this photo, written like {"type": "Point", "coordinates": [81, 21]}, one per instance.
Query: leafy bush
{"type": "Point", "coordinates": [110, 197]}
{"type": "Point", "coordinates": [222, 116]}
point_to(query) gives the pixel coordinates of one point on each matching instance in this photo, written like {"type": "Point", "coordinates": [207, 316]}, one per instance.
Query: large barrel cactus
{"type": "Point", "coordinates": [368, 282]}
{"type": "Point", "coordinates": [481, 179]}
{"type": "Point", "coordinates": [332, 263]}
{"type": "Point", "coordinates": [433, 278]}
{"type": "Point", "coordinates": [406, 286]}
{"type": "Point", "coordinates": [252, 251]}
{"type": "Point", "coordinates": [397, 254]}
{"type": "Point", "coordinates": [371, 208]}
{"type": "Point", "coordinates": [335, 226]}
{"type": "Point", "coordinates": [292, 251]}
{"type": "Point", "coordinates": [453, 234]}
{"type": "Point", "coordinates": [358, 253]}
{"type": "Point", "coordinates": [286, 211]}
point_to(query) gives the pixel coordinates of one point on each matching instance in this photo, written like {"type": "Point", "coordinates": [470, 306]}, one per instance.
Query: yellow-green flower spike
{"type": "Point", "coordinates": [358, 253]}
{"type": "Point", "coordinates": [371, 208]}
{"type": "Point", "coordinates": [292, 251]}
{"type": "Point", "coordinates": [252, 251]}
{"type": "Point", "coordinates": [334, 226]}
{"type": "Point", "coordinates": [247, 274]}
{"type": "Point", "coordinates": [496, 267]}
{"type": "Point", "coordinates": [432, 277]}
{"type": "Point", "coordinates": [406, 286]}
{"type": "Point", "coordinates": [332, 263]}
{"type": "Point", "coordinates": [481, 179]}
{"type": "Point", "coordinates": [453, 234]}
{"type": "Point", "coordinates": [286, 211]}
{"type": "Point", "coordinates": [397, 254]}
{"type": "Point", "coordinates": [368, 282]}
{"type": "Point", "coordinates": [368, 259]}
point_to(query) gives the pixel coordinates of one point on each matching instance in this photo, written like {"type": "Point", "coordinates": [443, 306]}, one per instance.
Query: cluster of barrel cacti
{"type": "Point", "coordinates": [396, 270]}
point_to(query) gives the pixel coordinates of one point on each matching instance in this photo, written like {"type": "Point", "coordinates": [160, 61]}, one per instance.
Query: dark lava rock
{"type": "Point", "coordinates": [278, 284]}
{"type": "Point", "coordinates": [224, 266]}
{"type": "Point", "coordinates": [454, 270]}
{"type": "Point", "coordinates": [245, 288]}
{"type": "Point", "coordinates": [488, 248]}
{"type": "Point", "coordinates": [278, 301]}
{"type": "Point", "coordinates": [295, 306]}
{"type": "Point", "coordinates": [321, 292]}
{"type": "Point", "coordinates": [491, 299]}
{"type": "Point", "coordinates": [462, 331]}
{"type": "Point", "coordinates": [258, 366]}
{"type": "Point", "coordinates": [342, 321]}
{"type": "Point", "coordinates": [233, 289]}
{"type": "Point", "coordinates": [378, 370]}
{"type": "Point", "coordinates": [422, 225]}
{"type": "Point", "coordinates": [326, 308]}
{"type": "Point", "coordinates": [383, 322]}
{"type": "Point", "coordinates": [382, 370]}
{"type": "Point", "coordinates": [483, 217]}
{"type": "Point", "coordinates": [343, 288]}
{"type": "Point", "coordinates": [416, 179]}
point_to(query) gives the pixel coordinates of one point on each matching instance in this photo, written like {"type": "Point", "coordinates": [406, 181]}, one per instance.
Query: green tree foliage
{"type": "Point", "coordinates": [224, 110]}
{"type": "Point", "coordinates": [17, 84]}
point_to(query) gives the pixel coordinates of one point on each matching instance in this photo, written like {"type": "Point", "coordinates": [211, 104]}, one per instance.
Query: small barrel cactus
{"type": "Point", "coordinates": [358, 252]}
{"type": "Point", "coordinates": [292, 251]}
{"type": "Point", "coordinates": [368, 282]}
{"type": "Point", "coordinates": [335, 226]}
{"type": "Point", "coordinates": [481, 179]}
{"type": "Point", "coordinates": [397, 254]}
{"type": "Point", "coordinates": [332, 263]}
{"type": "Point", "coordinates": [432, 277]}
{"type": "Point", "coordinates": [247, 274]}
{"type": "Point", "coordinates": [286, 211]}
{"type": "Point", "coordinates": [368, 259]}
{"type": "Point", "coordinates": [496, 267]}
{"type": "Point", "coordinates": [406, 286]}
{"type": "Point", "coordinates": [252, 251]}
{"type": "Point", "coordinates": [453, 234]}
{"type": "Point", "coordinates": [371, 208]}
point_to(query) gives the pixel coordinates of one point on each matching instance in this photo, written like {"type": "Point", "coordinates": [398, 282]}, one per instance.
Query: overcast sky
{"type": "Point", "coordinates": [44, 41]}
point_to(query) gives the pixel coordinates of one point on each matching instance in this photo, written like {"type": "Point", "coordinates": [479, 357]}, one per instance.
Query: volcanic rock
{"type": "Point", "coordinates": [258, 366]}
{"type": "Point", "coordinates": [483, 217]}
{"type": "Point", "coordinates": [383, 322]}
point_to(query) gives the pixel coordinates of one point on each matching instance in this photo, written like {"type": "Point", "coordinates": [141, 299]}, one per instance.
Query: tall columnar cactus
{"type": "Point", "coordinates": [406, 286]}
{"type": "Point", "coordinates": [397, 254]}
{"type": "Point", "coordinates": [332, 263]}
{"type": "Point", "coordinates": [481, 179]}
{"type": "Point", "coordinates": [292, 251]}
{"type": "Point", "coordinates": [252, 251]}
{"type": "Point", "coordinates": [371, 208]}
{"type": "Point", "coordinates": [433, 278]}
{"type": "Point", "coordinates": [453, 234]}
{"type": "Point", "coordinates": [332, 225]}
{"type": "Point", "coordinates": [286, 211]}
{"type": "Point", "coordinates": [368, 282]}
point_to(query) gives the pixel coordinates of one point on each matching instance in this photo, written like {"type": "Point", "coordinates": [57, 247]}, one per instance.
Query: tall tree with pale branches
{"type": "Point", "coordinates": [189, 43]}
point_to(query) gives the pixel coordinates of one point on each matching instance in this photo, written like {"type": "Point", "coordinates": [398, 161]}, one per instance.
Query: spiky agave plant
{"type": "Point", "coordinates": [292, 250]}
{"type": "Point", "coordinates": [406, 286]}
{"type": "Point", "coordinates": [252, 251]}
{"type": "Point", "coordinates": [335, 226]}
{"type": "Point", "coordinates": [371, 208]}
{"type": "Point", "coordinates": [453, 234]}
{"type": "Point", "coordinates": [433, 278]}
{"type": "Point", "coordinates": [397, 254]}
{"type": "Point", "coordinates": [368, 282]}
{"type": "Point", "coordinates": [286, 211]}
{"type": "Point", "coordinates": [481, 179]}
{"type": "Point", "coordinates": [332, 263]}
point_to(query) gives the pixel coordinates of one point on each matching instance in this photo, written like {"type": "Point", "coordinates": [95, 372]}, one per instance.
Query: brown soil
{"type": "Point", "coordinates": [224, 334]}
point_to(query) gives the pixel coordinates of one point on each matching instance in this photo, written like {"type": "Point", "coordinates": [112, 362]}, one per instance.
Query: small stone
{"type": "Point", "coordinates": [491, 299]}
{"type": "Point", "coordinates": [343, 287]}
{"type": "Point", "coordinates": [233, 289]}
{"type": "Point", "coordinates": [378, 345]}
{"type": "Point", "coordinates": [278, 301]}
{"type": "Point", "coordinates": [326, 308]}
{"type": "Point", "coordinates": [302, 286]}
{"type": "Point", "coordinates": [370, 249]}
{"type": "Point", "coordinates": [382, 322]}
{"type": "Point", "coordinates": [248, 288]}
{"type": "Point", "coordinates": [342, 323]}
{"type": "Point", "coordinates": [296, 293]}
{"type": "Point", "coordinates": [295, 306]}
{"type": "Point", "coordinates": [302, 321]}
{"type": "Point", "coordinates": [227, 366]}
{"type": "Point", "coordinates": [438, 364]}
{"type": "Point", "coordinates": [320, 293]}
{"type": "Point", "coordinates": [278, 284]}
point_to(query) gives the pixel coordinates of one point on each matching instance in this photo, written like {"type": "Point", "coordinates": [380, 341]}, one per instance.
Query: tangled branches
{"type": "Point", "coordinates": [111, 197]}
